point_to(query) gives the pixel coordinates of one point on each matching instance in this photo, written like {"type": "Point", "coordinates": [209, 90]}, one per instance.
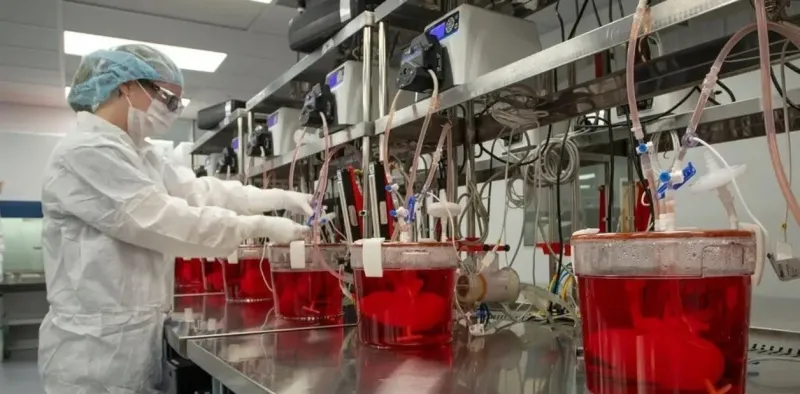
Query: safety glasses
{"type": "Point", "coordinates": [171, 100]}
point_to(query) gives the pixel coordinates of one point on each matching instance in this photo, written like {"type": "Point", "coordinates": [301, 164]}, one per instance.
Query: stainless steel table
{"type": "Point", "coordinates": [209, 316]}
{"type": "Point", "coordinates": [528, 359]}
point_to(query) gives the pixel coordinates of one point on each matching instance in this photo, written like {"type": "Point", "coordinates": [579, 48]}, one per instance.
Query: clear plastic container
{"type": "Point", "coordinates": [246, 280]}
{"type": "Point", "coordinates": [189, 276]}
{"type": "Point", "coordinates": [310, 293]}
{"type": "Point", "coordinates": [412, 303]}
{"type": "Point", "coordinates": [665, 312]}
{"type": "Point", "coordinates": [212, 270]}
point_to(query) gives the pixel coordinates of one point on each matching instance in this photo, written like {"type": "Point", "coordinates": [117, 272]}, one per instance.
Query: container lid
{"type": "Point", "coordinates": [253, 252]}
{"type": "Point", "coordinates": [411, 255]}
{"type": "Point", "coordinates": [675, 253]}
{"type": "Point", "coordinates": [280, 258]}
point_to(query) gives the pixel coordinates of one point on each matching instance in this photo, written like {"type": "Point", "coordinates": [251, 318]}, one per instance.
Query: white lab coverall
{"type": "Point", "coordinates": [112, 212]}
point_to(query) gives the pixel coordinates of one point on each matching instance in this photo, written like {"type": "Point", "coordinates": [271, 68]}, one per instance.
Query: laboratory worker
{"type": "Point", "coordinates": [113, 209]}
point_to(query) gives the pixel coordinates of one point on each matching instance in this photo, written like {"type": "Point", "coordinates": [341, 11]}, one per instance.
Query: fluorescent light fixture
{"type": "Point", "coordinates": [585, 177]}
{"type": "Point", "coordinates": [264, 1]}
{"type": "Point", "coordinates": [184, 101]}
{"type": "Point", "coordinates": [585, 186]}
{"type": "Point", "coordinates": [82, 44]}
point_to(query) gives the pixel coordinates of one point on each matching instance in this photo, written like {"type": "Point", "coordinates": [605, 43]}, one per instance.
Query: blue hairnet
{"type": "Point", "coordinates": [101, 72]}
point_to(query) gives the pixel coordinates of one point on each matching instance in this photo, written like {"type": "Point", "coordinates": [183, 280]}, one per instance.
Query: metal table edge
{"type": "Point", "coordinates": [222, 372]}
{"type": "Point", "coordinates": [663, 15]}
{"type": "Point", "coordinates": [179, 344]}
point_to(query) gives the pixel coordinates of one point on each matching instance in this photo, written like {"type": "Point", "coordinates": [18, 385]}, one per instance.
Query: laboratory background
{"type": "Point", "coordinates": [547, 196]}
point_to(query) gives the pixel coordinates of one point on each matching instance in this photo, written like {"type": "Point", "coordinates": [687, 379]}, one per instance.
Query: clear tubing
{"type": "Point", "coordinates": [793, 35]}
{"type": "Point", "coordinates": [437, 156]}
{"type": "Point", "coordinates": [294, 160]}
{"type": "Point", "coordinates": [630, 84]}
{"type": "Point", "coordinates": [418, 152]}
{"type": "Point", "coordinates": [708, 85]}
{"type": "Point", "coordinates": [769, 116]}
{"type": "Point", "coordinates": [388, 131]}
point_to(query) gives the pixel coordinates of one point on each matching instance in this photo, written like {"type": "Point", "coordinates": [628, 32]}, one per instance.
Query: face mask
{"type": "Point", "coordinates": [155, 122]}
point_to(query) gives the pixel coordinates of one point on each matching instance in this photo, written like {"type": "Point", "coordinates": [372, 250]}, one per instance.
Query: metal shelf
{"type": "Point", "coordinates": [615, 33]}
{"type": "Point", "coordinates": [315, 65]}
{"type": "Point", "coordinates": [214, 140]}
{"type": "Point", "coordinates": [349, 134]}
{"type": "Point", "coordinates": [720, 123]}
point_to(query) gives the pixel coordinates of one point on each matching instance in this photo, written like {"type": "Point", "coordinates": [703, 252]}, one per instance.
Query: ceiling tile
{"type": "Point", "coordinates": [237, 14]}
{"type": "Point", "coordinates": [103, 21]}
{"type": "Point", "coordinates": [42, 13]}
{"type": "Point", "coordinates": [26, 57]}
{"type": "Point", "coordinates": [29, 36]}
{"type": "Point", "coordinates": [274, 20]}
{"type": "Point", "coordinates": [31, 75]}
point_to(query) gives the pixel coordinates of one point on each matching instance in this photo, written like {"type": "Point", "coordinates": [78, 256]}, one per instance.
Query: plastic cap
{"type": "Point", "coordinates": [641, 149]}
{"type": "Point", "coordinates": [664, 177]}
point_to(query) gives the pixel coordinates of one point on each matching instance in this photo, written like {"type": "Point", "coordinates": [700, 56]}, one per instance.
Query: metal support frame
{"type": "Point", "coordinates": [366, 147]}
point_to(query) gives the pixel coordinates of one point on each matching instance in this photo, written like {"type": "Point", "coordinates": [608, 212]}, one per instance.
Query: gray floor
{"type": "Point", "coordinates": [20, 374]}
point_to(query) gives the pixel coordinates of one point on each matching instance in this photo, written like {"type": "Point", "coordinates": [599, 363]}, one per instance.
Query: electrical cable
{"type": "Point", "coordinates": [578, 20]}
{"type": "Point", "coordinates": [637, 165]}
{"type": "Point", "coordinates": [558, 204]}
{"type": "Point", "coordinates": [727, 90]}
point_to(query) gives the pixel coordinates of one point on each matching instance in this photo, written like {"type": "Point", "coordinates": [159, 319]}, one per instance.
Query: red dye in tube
{"type": "Point", "coordinates": [307, 295]}
{"type": "Point", "coordinates": [188, 276]}
{"type": "Point", "coordinates": [660, 335]}
{"type": "Point", "coordinates": [406, 307]}
{"type": "Point", "coordinates": [244, 281]}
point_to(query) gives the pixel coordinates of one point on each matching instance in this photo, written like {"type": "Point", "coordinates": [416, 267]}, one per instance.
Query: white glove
{"type": "Point", "coordinates": [265, 200]}
{"type": "Point", "coordinates": [277, 229]}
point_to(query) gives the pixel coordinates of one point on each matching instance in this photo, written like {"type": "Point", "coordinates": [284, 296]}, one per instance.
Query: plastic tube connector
{"type": "Point", "coordinates": [664, 177]}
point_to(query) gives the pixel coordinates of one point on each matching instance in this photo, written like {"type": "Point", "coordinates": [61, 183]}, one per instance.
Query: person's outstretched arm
{"type": "Point", "coordinates": [248, 200]}
{"type": "Point", "coordinates": [101, 186]}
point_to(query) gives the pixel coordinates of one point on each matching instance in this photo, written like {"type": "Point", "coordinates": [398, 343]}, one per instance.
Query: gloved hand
{"type": "Point", "coordinates": [265, 200]}
{"type": "Point", "coordinates": [277, 229]}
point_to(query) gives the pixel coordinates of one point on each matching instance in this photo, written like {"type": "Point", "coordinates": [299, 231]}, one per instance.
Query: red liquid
{"type": "Point", "coordinates": [188, 276]}
{"type": "Point", "coordinates": [244, 282]}
{"type": "Point", "coordinates": [213, 272]}
{"type": "Point", "coordinates": [307, 295]}
{"type": "Point", "coordinates": [665, 335]}
{"type": "Point", "coordinates": [406, 307]}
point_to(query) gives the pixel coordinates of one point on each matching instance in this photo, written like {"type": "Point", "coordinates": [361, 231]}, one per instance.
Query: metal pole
{"type": "Point", "coordinates": [251, 124]}
{"type": "Point", "coordinates": [470, 170]}
{"type": "Point", "coordinates": [383, 71]}
{"type": "Point", "coordinates": [365, 141]}
{"type": "Point", "coordinates": [240, 154]}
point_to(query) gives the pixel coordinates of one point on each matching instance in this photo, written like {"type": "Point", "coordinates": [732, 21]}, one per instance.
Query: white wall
{"type": "Point", "coordinates": [28, 135]}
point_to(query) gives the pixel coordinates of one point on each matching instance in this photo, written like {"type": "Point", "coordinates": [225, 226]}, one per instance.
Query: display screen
{"type": "Point", "coordinates": [445, 28]}
{"type": "Point", "coordinates": [335, 78]}
{"type": "Point", "coordinates": [272, 120]}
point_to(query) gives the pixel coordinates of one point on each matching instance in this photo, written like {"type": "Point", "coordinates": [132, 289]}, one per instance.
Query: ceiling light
{"type": "Point", "coordinates": [586, 177]}
{"type": "Point", "coordinates": [585, 187]}
{"type": "Point", "coordinates": [184, 101]}
{"type": "Point", "coordinates": [264, 1]}
{"type": "Point", "coordinates": [81, 44]}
